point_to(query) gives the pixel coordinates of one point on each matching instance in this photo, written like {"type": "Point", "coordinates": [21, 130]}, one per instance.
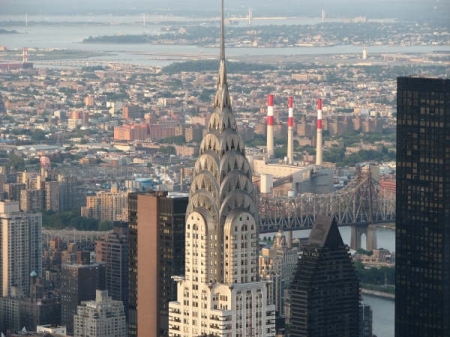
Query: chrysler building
{"type": "Point", "coordinates": [220, 293]}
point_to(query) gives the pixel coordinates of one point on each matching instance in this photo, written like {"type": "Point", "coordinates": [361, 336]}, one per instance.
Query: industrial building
{"type": "Point", "coordinates": [286, 176]}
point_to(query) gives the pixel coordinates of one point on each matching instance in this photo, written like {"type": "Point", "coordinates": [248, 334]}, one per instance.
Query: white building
{"type": "Point", "coordinates": [21, 247]}
{"type": "Point", "coordinates": [220, 293]}
{"type": "Point", "coordinates": [55, 330]}
{"type": "Point", "coordinates": [103, 317]}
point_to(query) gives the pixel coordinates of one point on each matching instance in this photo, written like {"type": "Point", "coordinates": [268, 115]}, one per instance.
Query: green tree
{"type": "Point", "coordinates": [16, 163]}
{"type": "Point", "coordinates": [179, 140]}
{"type": "Point", "coordinates": [38, 135]}
{"type": "Point", "coordinates": [258, 140]}
{"type": "Point", "coordinates": [105, 225]}
{"type": "Point", "coordinates": [167, 150]}
{"type": "Point", "coordinates": [334, 155]}
{"type": "Point", "coordinates": [68, 219]}
{"type": "Point", "coordinates": [280, 152]}
{"type": "Point", "coordinates": [376, 276]}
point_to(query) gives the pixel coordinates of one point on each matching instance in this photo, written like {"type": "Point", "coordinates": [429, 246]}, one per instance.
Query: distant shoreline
{"type": "Point", "coordinates": [387, 226]}
{"type": "Point", "coordinates": [377, 293]}
{"type": "Point", "coordinates": [5, 31]}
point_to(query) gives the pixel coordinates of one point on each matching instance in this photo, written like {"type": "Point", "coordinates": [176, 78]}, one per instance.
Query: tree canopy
{"type": "Point", "coordinates": [72, 219]}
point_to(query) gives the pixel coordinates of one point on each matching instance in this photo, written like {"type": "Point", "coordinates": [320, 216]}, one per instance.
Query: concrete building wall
{"type": "Point", "coordinates": [266, 183]}
{"type": "Point", "coordinates": [21, 247]}
{"type": "Point", "coordinates": [103, 317]}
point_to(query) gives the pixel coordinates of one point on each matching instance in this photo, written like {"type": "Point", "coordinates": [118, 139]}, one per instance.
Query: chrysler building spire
{"type": "Point", "coordinates": [222, 99]}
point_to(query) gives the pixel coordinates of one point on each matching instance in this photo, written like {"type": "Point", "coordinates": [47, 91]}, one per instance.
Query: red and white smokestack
{"type": "Point", "coordinates": [25, 55]}
{"type": "Point", "coordinates": [319, 141]}
{"type": "Point", "coordinates": [290, 147]}
{"type": "Point", "coordinates": [270, 145]}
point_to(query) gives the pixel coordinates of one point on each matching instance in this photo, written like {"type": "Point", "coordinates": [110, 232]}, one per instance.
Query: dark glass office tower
{"type": "Point", "coordinates": [325, 290]}
{"type": "Point", "coordinates": [422, 297]}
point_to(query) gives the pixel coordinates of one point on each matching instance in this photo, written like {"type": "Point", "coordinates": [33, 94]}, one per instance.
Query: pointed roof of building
{"type": "Point", "coordinates": [222, 99]}
{"type": "Point", "coordinates": [325, 233]}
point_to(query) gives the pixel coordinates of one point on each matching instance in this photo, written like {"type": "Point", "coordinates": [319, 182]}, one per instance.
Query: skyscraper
{"type": "Point", "coordinates": [325, 290]}
{"type": "Point", "coordinates": [156, 253]}
{"type": "Point", "coordinates": [422, 285]}
{"type": "Point", "coordinates": [112, 250]}
{"type": "Point", "coordinates": [220, 293]}
{"type": "Point", "coordinates": [21, 247]}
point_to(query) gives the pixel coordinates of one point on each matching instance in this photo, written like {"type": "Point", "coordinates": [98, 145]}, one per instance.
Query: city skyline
{"type": "Point", "coordinates": [370, 8]}
{"type": "Point", "coordinates": [107, 104]}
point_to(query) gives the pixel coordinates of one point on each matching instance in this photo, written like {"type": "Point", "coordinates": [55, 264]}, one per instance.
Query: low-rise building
{"type": "Point", "coordinates": [103, 317]}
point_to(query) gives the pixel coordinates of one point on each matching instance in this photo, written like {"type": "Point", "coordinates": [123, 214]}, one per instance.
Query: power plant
{"type": "Point", "coordinates": [18, 65]}
{"type": "Point", "coordinates": [287, 176]}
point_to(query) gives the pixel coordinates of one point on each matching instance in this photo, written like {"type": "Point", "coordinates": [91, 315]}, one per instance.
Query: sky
{"type": "Point", "coordinates": [413, 9]}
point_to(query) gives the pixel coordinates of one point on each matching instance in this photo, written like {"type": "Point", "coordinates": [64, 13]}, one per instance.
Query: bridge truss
{"type": "Point", "coordinates": [361, 202]}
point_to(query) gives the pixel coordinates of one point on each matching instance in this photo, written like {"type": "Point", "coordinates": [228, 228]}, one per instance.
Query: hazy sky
{"type": "Point", "coordinates": [415, 9]}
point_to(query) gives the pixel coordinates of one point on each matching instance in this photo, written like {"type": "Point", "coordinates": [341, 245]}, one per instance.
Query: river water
{"type": "Point", "coordinates": [69, 35]}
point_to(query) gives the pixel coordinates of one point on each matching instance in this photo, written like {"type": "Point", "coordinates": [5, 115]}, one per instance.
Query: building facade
{"type": "Point", "coordinates": [79, 282]}
{"type": "Point", "coordinates": [21, 247]}
{"type": "Point", "coordinates": [131, 111]}
{"type": "Point", "coordinates": [113, 252]}
{"type": "Point", "coordinates": [31, 200]}
{"type": "Point", "coordinates": [220, 293]}
{"type": "Point", "coordinates": [157, 229]}
{"type": "Point", "coordinates": [278, 264]}
{"type": "Point", "coordinates": [131, 132]}
{"type": "Point", "coordinates": [51, 196]}
{"type": "Point", "coordinates": [71, 193]}
{"type": "Point", "coordinates": [422, 286]}
{"type": "Point", "coordinates": [104, 205]}
{"type": "Point", "coordinates": [103, 317]}
{"type": "Point", "coordinates": [132, 263]}
{"type": "Point", "coordinates": [324, 294]}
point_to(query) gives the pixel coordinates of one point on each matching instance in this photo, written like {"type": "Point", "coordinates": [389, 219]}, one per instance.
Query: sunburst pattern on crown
{"type": "Point", "coordinates": [222, 180]}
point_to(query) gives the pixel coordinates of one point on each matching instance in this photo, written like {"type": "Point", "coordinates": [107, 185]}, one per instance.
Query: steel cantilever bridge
{"type": "Point", "coordinates": [359, 204]}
